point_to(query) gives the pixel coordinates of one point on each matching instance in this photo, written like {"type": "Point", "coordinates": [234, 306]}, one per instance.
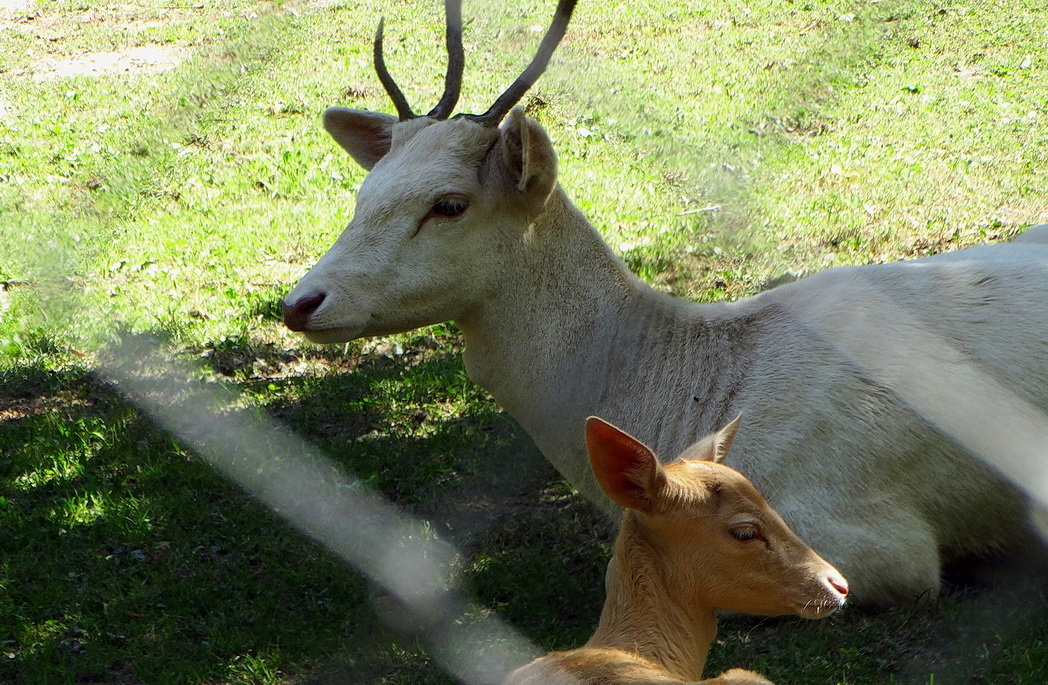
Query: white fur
{"type": "Point", "coordinates": [876, 392]}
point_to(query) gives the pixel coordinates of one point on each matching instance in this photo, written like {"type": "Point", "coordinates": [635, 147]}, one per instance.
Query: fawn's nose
{"type": "Point", "coordinates": [297, 313]}
{"type": "Point", "coordinates": [838, 583]}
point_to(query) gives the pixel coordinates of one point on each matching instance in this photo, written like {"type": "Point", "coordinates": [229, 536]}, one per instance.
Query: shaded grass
{"type": "Point", "coordinates": [130, 560]}
{"type": "Point", "coordinates": [183, 204]}
{"type": "Point", "coordinates": [166, 571]}
{"type": "Point", "coordinates": [115, 544]}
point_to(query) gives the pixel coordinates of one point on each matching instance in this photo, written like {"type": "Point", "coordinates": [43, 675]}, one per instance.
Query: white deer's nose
{"type": "Point", "coordinates": [297, 313]}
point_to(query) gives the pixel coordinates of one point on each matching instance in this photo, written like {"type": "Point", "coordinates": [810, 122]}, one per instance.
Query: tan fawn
{"type": "Point", "coordinates": [696, 538]}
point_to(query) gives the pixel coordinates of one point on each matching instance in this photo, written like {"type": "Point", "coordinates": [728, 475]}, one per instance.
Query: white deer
{"type": "Point", "coordinates": [879, 391]}
{"type": "Point", "coordinates": [696, 537]}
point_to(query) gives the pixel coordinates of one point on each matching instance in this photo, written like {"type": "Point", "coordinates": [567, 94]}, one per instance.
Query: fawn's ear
{"type": "Point", "coordinates": [627, 470]}
{"type": "Point", "coordinates": [364, 135]}
{"type": "Point", "coordinates": [714, 447]}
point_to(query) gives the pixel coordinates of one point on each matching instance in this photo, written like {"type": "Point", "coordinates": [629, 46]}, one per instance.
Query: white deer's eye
{"type": "Point", "coordinates": [745, 532]}
{"type": "Point", "coordinates": [448, 207]}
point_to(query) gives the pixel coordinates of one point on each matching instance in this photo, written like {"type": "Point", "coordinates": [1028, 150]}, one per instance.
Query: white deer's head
{"type": "Point", "coordinates": [444, 199]}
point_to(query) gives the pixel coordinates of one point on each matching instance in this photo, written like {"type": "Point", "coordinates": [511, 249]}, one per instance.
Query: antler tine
{"type": "Point", "coordinates": [399, 101]}
{"type": "Point", "coordinates": [531, 73]}
{"type": "Point", "coordinates": [456, 61]}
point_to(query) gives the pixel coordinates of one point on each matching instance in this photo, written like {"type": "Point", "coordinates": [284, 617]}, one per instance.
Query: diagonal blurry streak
{"type": "Point", "coordinates": [287, 474]}
{"type": "Point", "coordinates": [945, 386]}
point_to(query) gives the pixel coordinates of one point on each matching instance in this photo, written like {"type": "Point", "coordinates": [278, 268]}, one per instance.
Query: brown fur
{"type": "Point", "coordinates": [676, 563]}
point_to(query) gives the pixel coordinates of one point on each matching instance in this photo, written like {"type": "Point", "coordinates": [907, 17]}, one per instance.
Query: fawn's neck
{"type": "Point", "coordinates": [641, 615]}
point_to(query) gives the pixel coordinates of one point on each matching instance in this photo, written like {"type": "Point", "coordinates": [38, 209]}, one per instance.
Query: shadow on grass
{"type": "Point", "coordinates": [127, 559]}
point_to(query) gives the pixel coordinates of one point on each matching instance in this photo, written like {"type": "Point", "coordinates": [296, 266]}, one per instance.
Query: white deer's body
{"type": "Point", "coordinates": [856, 471]}
{"type": "Point", "coordinates": [876, 391]}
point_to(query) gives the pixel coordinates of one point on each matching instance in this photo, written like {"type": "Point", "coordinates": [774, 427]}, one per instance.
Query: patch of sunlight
{"type": "Point", "coordinates": [58, 470]}
{"type": "Point", "coordinates": [80, 509]}
{"type": "Point", "coordinates": [257, 668]}
{"type": "Point", "coordinates": [143, 59]}
{"type": "Point", "coordinates": [35, 635]}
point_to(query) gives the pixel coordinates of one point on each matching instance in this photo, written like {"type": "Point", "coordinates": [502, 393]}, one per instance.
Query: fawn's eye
{"type": "Point", "coordinates": [448, 207]}
{"type": "Point", "coordinates": [745, 532]}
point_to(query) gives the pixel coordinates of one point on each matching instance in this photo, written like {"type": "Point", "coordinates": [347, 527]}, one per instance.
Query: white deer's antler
{"type": "Point", "coordinates": [452, 79]}
{"type": "Point", "coordinates": [456, 62]}
{"type": "Point", "coordinates": [531, 73]}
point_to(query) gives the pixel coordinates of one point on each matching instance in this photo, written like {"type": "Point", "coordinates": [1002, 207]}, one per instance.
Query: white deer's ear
{"type": "Point", "coordinates": [627, 469]}
{"type": "Point", "coordinates": [714, 447]}
{"type": "Point", "coordinates": [364, 135]}
{"type": "Point", "coordinates": [528, 156]}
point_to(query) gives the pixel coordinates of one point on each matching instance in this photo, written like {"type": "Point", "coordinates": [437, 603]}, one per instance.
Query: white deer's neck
{"type": "Point", "coordinates": [571, 332]}
{"type": "Point", "coordinates": [643, 616]}
{"type": "Point", "coordinates": [538, 345]}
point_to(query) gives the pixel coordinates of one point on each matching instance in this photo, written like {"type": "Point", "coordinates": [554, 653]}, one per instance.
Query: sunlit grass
{"type": "Point", "coordinates": [80, 509]}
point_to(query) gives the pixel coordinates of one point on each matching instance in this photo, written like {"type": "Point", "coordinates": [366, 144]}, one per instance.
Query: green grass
{"type": "Point", "coordinates": [181, 205]}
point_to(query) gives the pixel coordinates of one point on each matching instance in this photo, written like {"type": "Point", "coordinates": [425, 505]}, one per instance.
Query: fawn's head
{"type": "Point", "coordinates": [443, 200]}
{"type": "Point", "coordinates": [717, 542]}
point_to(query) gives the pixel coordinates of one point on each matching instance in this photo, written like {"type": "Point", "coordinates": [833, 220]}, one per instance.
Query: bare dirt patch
{"type": "Point", "coordinates": [145, 59]}
{"type": "Point", "coordinates": [11, 7]}
{"type": "Point", "coordinates": [53, 32]}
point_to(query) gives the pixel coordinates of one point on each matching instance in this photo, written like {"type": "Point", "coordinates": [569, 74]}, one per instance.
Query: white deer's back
{"type": "Point", "coordinates": [871, 390]}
